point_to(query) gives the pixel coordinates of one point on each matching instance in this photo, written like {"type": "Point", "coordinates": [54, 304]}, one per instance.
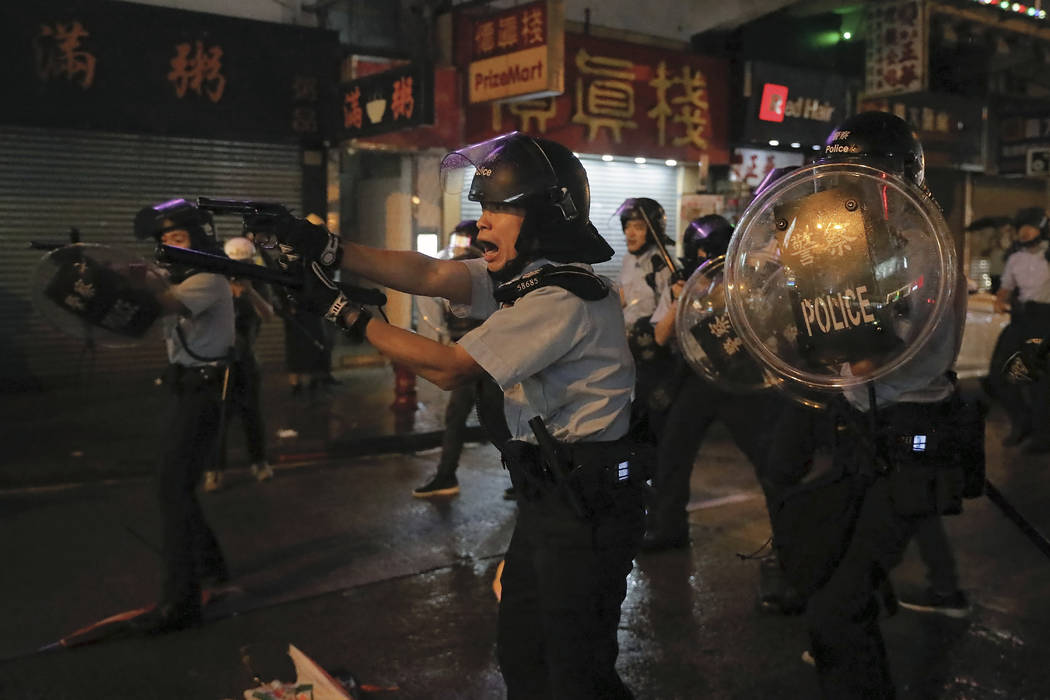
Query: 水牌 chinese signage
{"type": "Point", "coordinates": [624, 99]}
{"type": "Point", "coordinates": [792, 105]}
{"type": "Point", "coordinates": [399, 98]}
{"type": "Point", "coordinates": [895, 60]}
{"type": "Point", "coordinates": [950, 127]}
{"type": "Point", "coordinates": [131, 67]}
{"type": "Point", "coordinates": [517, 53]}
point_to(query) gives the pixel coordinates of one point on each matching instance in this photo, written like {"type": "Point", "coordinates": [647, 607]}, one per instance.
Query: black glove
{"type": "Point", "coordinates": [1029, 364]}
{"type": "Point", "coordinates": [299, 241]}
{"type": "Point", "coordinates": [321, 295]}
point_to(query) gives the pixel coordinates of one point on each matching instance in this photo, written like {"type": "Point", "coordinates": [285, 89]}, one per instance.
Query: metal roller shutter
{"type": "Point", "coordinates": [52, 180]}
{"type": "Point", "coordinates": [612, 182]}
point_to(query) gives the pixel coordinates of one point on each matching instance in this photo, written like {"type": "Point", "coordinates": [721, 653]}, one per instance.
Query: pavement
{"type": "Point", "coordinates": [336, 557]}
{"type": "Point", "coordinates": [99, 427]}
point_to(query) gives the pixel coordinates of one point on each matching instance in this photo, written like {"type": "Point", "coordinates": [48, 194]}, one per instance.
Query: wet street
{"type": "Point", "coordinates": [337, 558]}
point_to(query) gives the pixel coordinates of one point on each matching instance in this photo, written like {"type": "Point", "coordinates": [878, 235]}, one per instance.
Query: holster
{"type": "Point", "coordinates": [593, 471]}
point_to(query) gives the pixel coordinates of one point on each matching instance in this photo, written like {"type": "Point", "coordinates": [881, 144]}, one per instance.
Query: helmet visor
{"type": "Point", "coordinates": [505, 169]}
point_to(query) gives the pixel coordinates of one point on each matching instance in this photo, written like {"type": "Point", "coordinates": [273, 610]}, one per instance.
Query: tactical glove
{"type": "Point", "coordinates": [321, 295]}
{"type": "Point", "coordinates": [299, 241]}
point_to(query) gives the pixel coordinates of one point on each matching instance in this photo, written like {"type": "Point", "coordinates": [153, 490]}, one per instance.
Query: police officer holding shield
{"type": "Point", "coordinates": [866, 300]}
{"type": "Point", "coordinates": [553, 339]}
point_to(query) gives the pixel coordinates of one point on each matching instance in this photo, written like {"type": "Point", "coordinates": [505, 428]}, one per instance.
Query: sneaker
{"type": "Point", "coordinates": [262, 471]}
{"type": "Point", "coordinates": [953, 605]}
{"type": "Point", "coordinates": [212, 481]}
{"type": "Point", "coordinates": [439, 485]}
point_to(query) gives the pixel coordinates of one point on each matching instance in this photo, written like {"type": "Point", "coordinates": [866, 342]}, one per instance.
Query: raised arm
{"type": "Point", "coordinates": [408, 271]}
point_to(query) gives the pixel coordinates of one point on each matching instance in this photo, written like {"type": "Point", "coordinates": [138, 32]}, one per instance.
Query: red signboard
{"type": "Point", "coordinates": [624, 99]}
{"type": "Point", "coordinates": [774, 99]}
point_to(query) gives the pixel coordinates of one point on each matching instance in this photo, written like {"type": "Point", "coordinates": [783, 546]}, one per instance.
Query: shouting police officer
{"type": "Point", "coordinates": [554, 341]}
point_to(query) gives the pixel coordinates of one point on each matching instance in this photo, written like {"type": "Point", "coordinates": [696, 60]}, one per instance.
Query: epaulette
{"type": "Point", "coordinates": [583, 283]}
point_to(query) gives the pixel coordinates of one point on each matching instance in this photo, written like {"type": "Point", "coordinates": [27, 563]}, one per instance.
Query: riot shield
{"type": "Point", "coordinates": [838, 274]}
{"type": "Point", "coordinates": [100, 294]}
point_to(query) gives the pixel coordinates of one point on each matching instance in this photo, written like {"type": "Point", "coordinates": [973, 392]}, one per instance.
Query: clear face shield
{"type": "Point", "coordinates": [510, 169]}
{"type": "Point", "coordinates": [838, 274]}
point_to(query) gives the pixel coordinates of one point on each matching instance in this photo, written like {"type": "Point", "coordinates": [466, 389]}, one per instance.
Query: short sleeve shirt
{"type": "Point", "coordinates": [1028, 271]}
{"type": "Point", "coordinates": [639, 297]}
{"type": "Point", "coordinates": [555, 356]}
{"type": "Point", "coordinates": [209, 327]}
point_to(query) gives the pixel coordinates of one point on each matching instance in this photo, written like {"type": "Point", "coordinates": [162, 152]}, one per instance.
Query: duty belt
{"type": "Point", "coordinates": [593, 470]}
{"type": "Point", "coordinates": [184, 378]}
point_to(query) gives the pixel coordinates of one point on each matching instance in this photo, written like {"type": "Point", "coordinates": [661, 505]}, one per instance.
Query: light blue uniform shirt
{"type": "Point", "coordinates": [209, 329]}
{"type": "Point", "coordinates": [555, 356]}
{"type": "Point", "coordinates": [639, 298]}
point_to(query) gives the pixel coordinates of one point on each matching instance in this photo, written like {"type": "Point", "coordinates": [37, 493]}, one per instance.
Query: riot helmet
{"type": "Point", "coordinates": [648, 211]}
{"type": "Point", "coordinates": [705, 238]}
{"type": "Point", "coordinates": [881, 140]}
{"type": "Point", "coordinates": [155, 220]}
{"type": "Point", "coordinates": [544, 179]}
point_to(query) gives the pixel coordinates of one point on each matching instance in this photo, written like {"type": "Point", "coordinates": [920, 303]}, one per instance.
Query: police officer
{"type": "Point", "coordinates": [1027, 273]}
{"type": "Point", "coordinates": [644, 277]}
{"type": "Point", "coordinates": [896, 461]}
{"type": "Point", "coordinates": [200, 336]}
{"type": "Point", "coordinates": [553, 339]}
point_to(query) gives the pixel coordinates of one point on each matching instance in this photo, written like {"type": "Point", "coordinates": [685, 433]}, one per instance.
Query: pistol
{"type": "Point", "coordinates": [558, 463]}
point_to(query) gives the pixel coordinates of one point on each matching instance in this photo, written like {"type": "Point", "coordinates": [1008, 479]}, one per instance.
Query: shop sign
{"type": "Point", "coordinates": [792, 104]}
{"type": "Point", "coordinates": [950, 128]}
{"type": "Point", "coordinates": [517, 53]}
{"type": "Point", "coordinates": [624, 99]}
{"type": "Point", "coordinates": [396, 99]}
{"type": "Point", "coordinates": [129, 67]}
{"type": "Point", "coordinates": [895, 60]}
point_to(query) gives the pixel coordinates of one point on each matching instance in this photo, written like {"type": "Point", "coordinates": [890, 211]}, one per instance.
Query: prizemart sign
{"type": "Point", "coordinates": [518, 53]}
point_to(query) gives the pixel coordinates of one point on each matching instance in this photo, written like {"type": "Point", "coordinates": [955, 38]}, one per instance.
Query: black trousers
{"type": "Point", "coordinates": [460, 404]}
{"type": "Point", "coordinates": [843, 614]}
{"type": "Point", "coordinates": [564, 579]}
{"type": "Point", "coordinates": [750, 419]}
{"type": "Point", "coordinates": [243, 399]}
{"type": "Point", "coordinates": [191, 432]}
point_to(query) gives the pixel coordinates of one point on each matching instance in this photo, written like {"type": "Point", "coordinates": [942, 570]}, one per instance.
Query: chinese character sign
{"type": "Point", "coordinates": [147, 69]}
{"type": "Point", "coordinates": [516, 29]}
{"type": "Point", "coordinates": [60, 54]}
{"type": "Point", "coordinates": [624, 99]}
{"type": "Point", "coordinates": [896, 50]}
{"type": "Point", "coordinates": [197, 69]}
{"type": "Point", "coordinates": [392, 100]}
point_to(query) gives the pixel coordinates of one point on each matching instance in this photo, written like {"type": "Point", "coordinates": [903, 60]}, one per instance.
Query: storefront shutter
{"type": "Point", "coordinates": [52, 180]}
{"type": "Point", "coordinates": [611, 183]}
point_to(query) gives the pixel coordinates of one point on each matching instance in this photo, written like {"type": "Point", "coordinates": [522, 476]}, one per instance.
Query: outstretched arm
{"type": "Point", "coordinates": [408, 271]}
